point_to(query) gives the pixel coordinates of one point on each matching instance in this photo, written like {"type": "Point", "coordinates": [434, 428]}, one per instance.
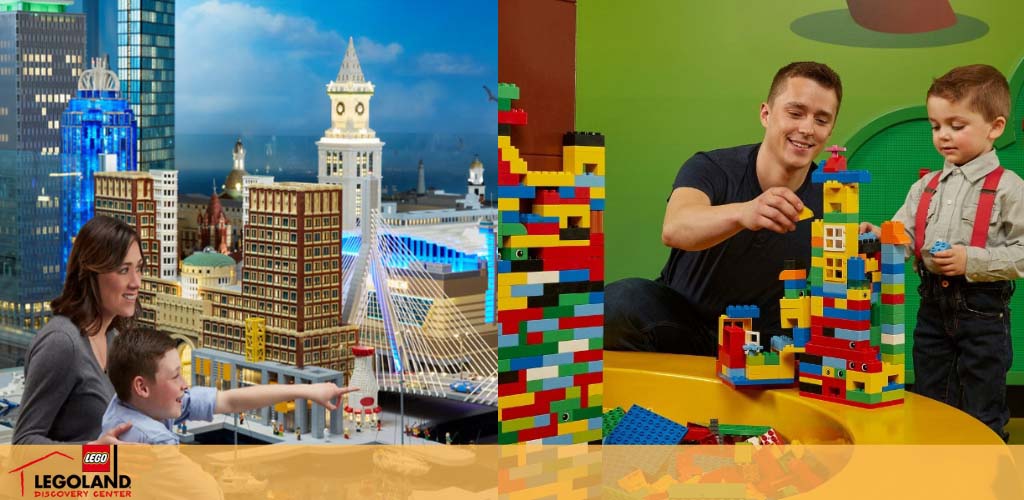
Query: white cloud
{"type": "Point", "coordinates": [407, 103]}
{"type": "Point", "coordinates": [246, 69]}
{"type": "Point", "coordinates": [448, 64]}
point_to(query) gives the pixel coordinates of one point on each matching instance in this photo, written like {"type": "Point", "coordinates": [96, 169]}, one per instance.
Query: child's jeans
{"type": "Point", "coordinates": [962, 348]}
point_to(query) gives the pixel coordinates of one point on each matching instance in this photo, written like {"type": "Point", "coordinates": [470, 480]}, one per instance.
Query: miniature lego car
{"type": "Point", "coordinates": [463, 386]}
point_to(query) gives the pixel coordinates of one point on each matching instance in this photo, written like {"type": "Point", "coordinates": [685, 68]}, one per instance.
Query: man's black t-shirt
{"type": "Point", "coordinates": [743, 269]}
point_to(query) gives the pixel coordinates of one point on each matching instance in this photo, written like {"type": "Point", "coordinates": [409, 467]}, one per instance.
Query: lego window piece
{"type": "Point", "coordinates": [835, 238]}
{"type": "Point", "coordinates": [835, 269]}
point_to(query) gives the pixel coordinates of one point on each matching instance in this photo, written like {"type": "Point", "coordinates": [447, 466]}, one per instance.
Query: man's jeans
{"type": "Point", "coordinates": [645, 315]}
{"type": "Point", "coordinates": [962, 349]}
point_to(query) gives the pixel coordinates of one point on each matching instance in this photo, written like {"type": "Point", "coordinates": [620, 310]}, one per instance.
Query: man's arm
{"type": "Point", "coordinates": [248, 398]}
{"type": "Point", "coordinates": [692, 223]}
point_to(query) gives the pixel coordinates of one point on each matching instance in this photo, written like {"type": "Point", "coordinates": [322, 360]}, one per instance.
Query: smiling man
{"type": "Point", "coordinates": [732, 221]}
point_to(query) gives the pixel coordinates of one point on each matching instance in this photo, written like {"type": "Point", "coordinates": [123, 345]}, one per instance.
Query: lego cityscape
{"type": "Point", "coordinates": [261, 280]}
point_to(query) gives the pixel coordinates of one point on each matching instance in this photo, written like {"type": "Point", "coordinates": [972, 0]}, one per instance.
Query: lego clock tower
{"type": "Point", "coordinates": [350, 151]}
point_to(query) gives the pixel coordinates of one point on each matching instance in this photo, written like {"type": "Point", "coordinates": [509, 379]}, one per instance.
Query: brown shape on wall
{"type": "Point", "coordinates": [902, 16]}
{"type": "Point", "coordinates": [537, 52]}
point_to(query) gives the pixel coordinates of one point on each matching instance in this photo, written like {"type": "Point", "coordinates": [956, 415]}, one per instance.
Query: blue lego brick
{"type": "Point", "coordinates": [508, 340]}
{"type": "Point", "coordinates": [509, 217]}
{"type": "Point", "coordinates": [588, 309]}
{"type": "Point", "coordinates": [833, 362]}
{"type": "Point", "coordinates": [896, 268]}
{"type": "Point", "coordinates": [781, 341]}
{"type": "Point", "coordinates": [562, 358]}
{"type": "Point", "coordinates": [536, 290]}
{"type": "Point", "coordinates": [574, 275]}
{"type": "Point", "coordinates": [794, 284]}
{"type": "Point", "coordinates": [939, 246]}
{"type": "Point", "coordinates": [892, 387]}
{"type": "Point", "coordinates": [736, 372]}
{"type": "Point", "coordinates": [517, 192]}
{"type": "Point", "coordinates": [866, 236]}
{"type": "Point", "coordinates": [809, 368]}
{"type": "Point", "coordinates": [567, 192]}
{"type": "Point", "coordinates": [829, 289]}
{"type": "Point", "coordinates": [589, 180]}
{"type": "Point", "coordinates": [595, 366]}
{"type": "Point", "coordinates": [560, 439]}
{"type": "Point", "coordinates": [742, 381]}
{"type": "Point", "coordinates": [526, 363]}
{"type": "Point", "coordinates": [594, 423]}
{"type": "Point", "coordinates": [642, 426]}
{"type": "Point", "coordinates": [853, 335]}
{"type": "Point", "coordinates": [743, 312]}
{"type": "Point", "coordinates": [539, 219]}
{"type": "Point", "coordinates": [542, 420]}
{"type": "Point", "coordinates": [893, 329]}
{"type": "Point", "coordinates": [504, 266]}
{"type": "Point", "coordinates": [894, 279]}
{"type": "Point", "coordinates": [855, 267]}
{"type": "Point", "coordinates": [542, 325]}
{"type": "Point", "coordinates": [590, 332]}
{"type": "Point", "coordinates": [850, 314]}
{"type": "Point", "coordinates": [597, 203]}
{"type": "Point", "coordinates": [801, 336]}
{"type": "Point", "coordinates": [846, 176]}
{"type": "Point", "coordinates": [556, 383]}
{"type": "Point", "coordinates": [597, 297]}
{"type": "Point", "coordinates": [894, 251]}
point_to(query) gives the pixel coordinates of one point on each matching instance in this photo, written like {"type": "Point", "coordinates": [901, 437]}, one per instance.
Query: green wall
{"type": "Point", "coordinates": [665, 79]}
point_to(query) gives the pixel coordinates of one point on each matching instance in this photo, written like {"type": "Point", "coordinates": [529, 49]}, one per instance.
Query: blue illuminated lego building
{"type": "Point", "coordinates": [98, 132]}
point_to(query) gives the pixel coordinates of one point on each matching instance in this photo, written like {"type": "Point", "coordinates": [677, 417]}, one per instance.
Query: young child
{"type": "Point", "coordinates": [152, 395]}
{"type": "Point", "coordinates": [962, 346]}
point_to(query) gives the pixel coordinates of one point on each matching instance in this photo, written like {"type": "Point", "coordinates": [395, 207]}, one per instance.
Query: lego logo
{"type": "Point", "coordinates": [95, 458]}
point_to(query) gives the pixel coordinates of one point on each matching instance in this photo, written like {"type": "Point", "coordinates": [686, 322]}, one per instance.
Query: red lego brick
{"type": "Point", "coordinates": [536, 228]}
{"type": "Point", "coordinates": [581, 321]}
{"type": "Point", "coordinates": [514, 116]}
{"type": "Point", "coordinates": [892, 298]}
{"type": "Point", "coordinates": [833, 387]}
{"type": "Point", "coordinates": [828, 301]}
{"type": "Point", "coordinates": [510, 388]}
{"type": "Point", "coordinates": [582, 379]}
{"type": "Point", "coordinates": [509, 179]}
{"type": "Point", "coordinates": [587, 356]}
{"type": "Point", "coordinates": [851, 403]}
{"type": "Point", "coordinates": [858, 305]}
{"type": "Point", "coordinates": [852, 345]}
{"type": "Point", "coordinates": [535, 338]}
{"type": "Point", "coordinates": [848, 324]}
{"type": "Point", "coordinates": [540, 432]}
{"type": "Point", "coordinates": [832, 352]}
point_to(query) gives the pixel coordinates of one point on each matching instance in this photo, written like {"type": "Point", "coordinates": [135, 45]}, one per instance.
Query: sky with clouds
{"type": "Point", "coordinates": [261, 66]}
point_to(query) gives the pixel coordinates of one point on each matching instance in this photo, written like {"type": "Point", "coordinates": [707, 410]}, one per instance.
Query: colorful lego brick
{"type": "Point", "coordinates": [743, 312]}
{"type": "Point", "coordinates": [939, 246]}
{"type": "Point", "coordinates": [642, 426]}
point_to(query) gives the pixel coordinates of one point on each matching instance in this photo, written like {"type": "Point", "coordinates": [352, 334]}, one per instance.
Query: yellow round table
{"type": "Point", "coordinates": [685, 389]}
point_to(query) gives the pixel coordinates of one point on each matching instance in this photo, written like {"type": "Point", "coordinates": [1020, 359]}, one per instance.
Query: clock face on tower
{"type": "Point", "coordinates": [340, 108]}
{"type": "Point", "coordinates": [360, 108]}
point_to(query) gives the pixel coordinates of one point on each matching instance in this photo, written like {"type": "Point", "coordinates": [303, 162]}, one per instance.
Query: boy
{"type": "Point", "coordinates": [962, 340]}
{"type": "Point", "coordinates": [151, 393]}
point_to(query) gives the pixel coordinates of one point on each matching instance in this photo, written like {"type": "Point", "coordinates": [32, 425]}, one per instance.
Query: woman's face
{"type": "Point", "coordinates": [119, 289]}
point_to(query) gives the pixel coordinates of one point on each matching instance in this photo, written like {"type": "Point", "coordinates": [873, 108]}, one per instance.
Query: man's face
{"type": "Point", "coordinates": [166, 389]}
{"type": "Point", "coordinates": [959, 133]}
{"type": "Point", "coordinates": [798, 122]}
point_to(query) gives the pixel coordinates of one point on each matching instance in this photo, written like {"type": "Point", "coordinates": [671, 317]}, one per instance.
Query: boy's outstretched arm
{"type": "Point", "coordinates": [258, 396]}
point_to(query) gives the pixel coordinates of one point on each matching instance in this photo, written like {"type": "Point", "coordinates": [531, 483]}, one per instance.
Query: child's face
{"type": "Point", "coordinates": [959, 133]}
{"type": "Point", "coordinates": [798, 122]}
{"type": "Point", "coordinates": [167, 388]}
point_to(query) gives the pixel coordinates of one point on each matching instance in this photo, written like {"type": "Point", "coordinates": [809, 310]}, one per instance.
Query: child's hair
{"type": "Point", "coordinates": [135, 353]}
{"type": "Point", "coordinates": [984, 88]}
{"type": "Point", "coordinates": [814, 71]}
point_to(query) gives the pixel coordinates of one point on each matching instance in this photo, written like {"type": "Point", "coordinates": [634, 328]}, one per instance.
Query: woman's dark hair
{"type": "Point", "coordinates": [100, 247]}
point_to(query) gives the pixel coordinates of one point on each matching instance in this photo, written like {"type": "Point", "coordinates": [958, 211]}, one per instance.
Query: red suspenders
{"type": "Point", "coordinates": [986, 200]}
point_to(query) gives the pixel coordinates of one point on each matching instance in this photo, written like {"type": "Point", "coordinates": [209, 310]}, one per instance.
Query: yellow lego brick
{"type": "Point", "coordinates": [572, 427]}
{"type": "Point", "coordinates": [504, 141]}
{"type": "Point", "coordinates": [560, 179]}
{"type": "Point", "coordinates": [504, 291]}
{"type": "Point", "coordinates": [817, 306]}
{"type": "Point", "coordinates": [543, 240]}
{"type": "Point", "coordinates": [870, 383]}
{"type": "Point", "coordinates": [876, 276]}
{"type": "Point", "coordinates": [769, 372]}
{"type": "Point", "coordinates": [787, 358]}
{"type": "Point", "coordinates": [828, 371]}
{"type": "Point", "coordinates": [511, 204]}
{"type": "Point", "coordinates": [563, 212]}
{"type": "Point", "coordinates": [870, 265]}
{"type": "Point", "coordinates": [575, 159]}
{"type": "Point", "coordinates": [597, 193]}
{"type": "Point", "coordinates": [897, 288]}
{"type": "Point", "coordinates": [818, 262]}
{"type": "Point", "coordinates": [795, 312]}
{"type": "Point", "coordinates": [511, 303]}
{"type": "Point", "coordinates": [509, 279]}
{"type": "Point", "coordinates": [894, 359]}
{"type": "Point", "coordinates": [892, 395]}
{"type": "Point", "coordinates": [813, 381]}
{"type": "Point", "coordinates": [840, 304]}
{"type": "Point", "coordinates": [524, 399]}
{"type": "Point", "coordinates": [818, 228]}
{"type": "Point", "coordinates": [894, 373]}
{"type": "Point", "coordinates": [596, 389]}
{"type": "Point", "coordinates": [858, 294]}
{"type": "Point", "coordinates": [852, 239]}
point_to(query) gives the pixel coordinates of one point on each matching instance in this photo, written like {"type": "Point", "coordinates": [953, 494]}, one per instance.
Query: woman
{"type": "Point", "coordinates": [66, 385]}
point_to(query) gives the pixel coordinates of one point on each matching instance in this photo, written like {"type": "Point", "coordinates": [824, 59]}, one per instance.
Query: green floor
{"type": "Point", "coordinates": [1016, 430]}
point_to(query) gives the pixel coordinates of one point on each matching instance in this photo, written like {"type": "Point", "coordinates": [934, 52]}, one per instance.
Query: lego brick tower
{"type": "Point", "coordinates": [550, 289]}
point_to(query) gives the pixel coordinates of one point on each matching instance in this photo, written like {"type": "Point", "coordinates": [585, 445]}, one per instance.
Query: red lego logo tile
{"type": "Point", "coordinates": [96, 457]}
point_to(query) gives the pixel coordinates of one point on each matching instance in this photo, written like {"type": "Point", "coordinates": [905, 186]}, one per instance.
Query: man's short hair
{"type": "Point", "coordinates": [814, 71]}
{"type": "Point", "coordinates": [984, 88]}
{"type": "Point", "coordinates": [135, 352]}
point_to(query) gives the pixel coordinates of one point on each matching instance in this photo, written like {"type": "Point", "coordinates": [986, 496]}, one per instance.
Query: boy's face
{"type": "Point", "coordinates": [163, 399]}
{"type": "Point", "coordinates": [798, 122]}
{"type": "Point", "coordinates": [959, 133]}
